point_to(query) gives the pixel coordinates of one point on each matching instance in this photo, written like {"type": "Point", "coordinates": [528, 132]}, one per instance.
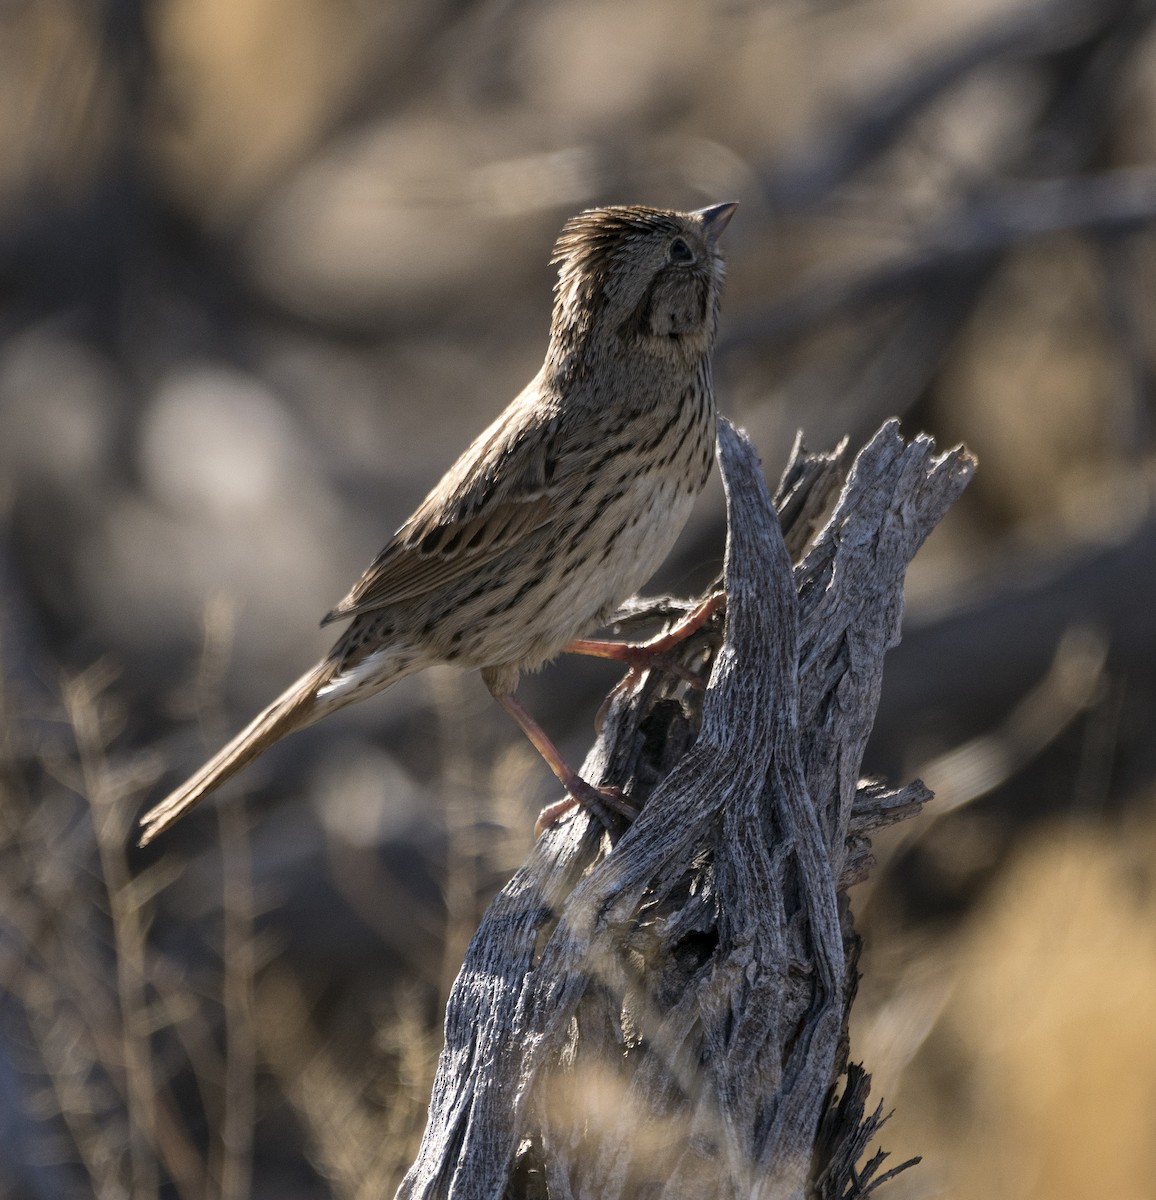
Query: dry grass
{"type": "Point", "coordinates": [1019, 1050]}
{"type": "Point", "coordinates": [140, 1070]}
{"type": "Point", "coordinates": [144, 1071]}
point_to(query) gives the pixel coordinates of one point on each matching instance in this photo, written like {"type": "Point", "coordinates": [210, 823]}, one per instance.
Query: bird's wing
{"type": "Point", "coordinates": [500, 490]}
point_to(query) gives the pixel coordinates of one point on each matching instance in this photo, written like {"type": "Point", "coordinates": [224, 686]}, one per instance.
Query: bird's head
{"type": "Point", "coordinates": [646, 279]}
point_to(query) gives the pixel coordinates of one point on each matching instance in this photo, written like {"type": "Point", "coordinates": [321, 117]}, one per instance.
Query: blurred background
{"type": "Point", "coordinates": [267, 267]}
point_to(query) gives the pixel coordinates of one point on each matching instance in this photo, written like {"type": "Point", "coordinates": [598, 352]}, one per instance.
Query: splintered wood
{"type": "Point", "coordinates": [666, 1016]}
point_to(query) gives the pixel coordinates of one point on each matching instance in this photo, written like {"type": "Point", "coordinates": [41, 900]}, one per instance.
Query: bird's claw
{"type": "Point", "coordinates": [596, 800]}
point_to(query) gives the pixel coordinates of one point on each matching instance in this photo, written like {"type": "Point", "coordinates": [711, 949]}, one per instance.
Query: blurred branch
{"type": "Point", "coordinates": [989, 652]}
{"type": "Point", "coordinates": [979, 766]}
{"type": "Point", "coordinates": [1087, 49]}
{"type": "Point", "coordinates": [670, 1013]}
{"type": "Point", "coordinates": [828, 158]}
{"type": "Point", "coordinates": [1113, 203]}
{"type": "Point", "coordinates": [1128, 309]}
{"type": "Point", "coordinates": [1074, 683]}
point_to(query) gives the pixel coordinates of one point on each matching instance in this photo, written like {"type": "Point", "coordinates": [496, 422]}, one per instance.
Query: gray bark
{"type": "Point", "coordinates": [666, 1016]}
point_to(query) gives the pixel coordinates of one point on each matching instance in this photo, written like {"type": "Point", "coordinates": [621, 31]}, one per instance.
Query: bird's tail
{"type": "Point", "coordinates": [293, 709]}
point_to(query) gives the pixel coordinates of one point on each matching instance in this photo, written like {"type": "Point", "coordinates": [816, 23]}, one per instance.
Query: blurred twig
{"type": "Point", "coordinates": [1076, 679]}
{"type": "Point", "coordinates": [1112, 203]}
{"type": "Point", "coordinates": [232, 1150]}
{"type": "Point", "coordinates": [111, 819]}
{"type": "Point", "coordinates": [831, 156]}
{"type": "Point", "coordinates": [979, 766]}
{"type": "Point", "coordinates": [361, 1146]}
{"type": "Point", "coordinates": [239, 962]}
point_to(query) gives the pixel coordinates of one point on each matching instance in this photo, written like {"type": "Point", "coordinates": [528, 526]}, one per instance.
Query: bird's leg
{"type": "Point", "coordinates": [641, 655]}
{"type": "Point", "coordinates": [580, 792]}
{"type": "Point", "coordinates": [638, 655]}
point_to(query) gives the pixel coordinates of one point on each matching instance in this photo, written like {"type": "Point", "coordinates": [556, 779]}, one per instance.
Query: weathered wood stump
{"type": "Point", "coordinates": [667, 1015]}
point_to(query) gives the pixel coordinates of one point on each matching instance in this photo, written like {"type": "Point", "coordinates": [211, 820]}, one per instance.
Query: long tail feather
{"type": "Point", "coordinates": [293, 709]}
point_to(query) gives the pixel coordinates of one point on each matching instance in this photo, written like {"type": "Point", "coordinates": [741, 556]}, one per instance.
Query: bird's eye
{"type": "Point", "coordinates": [680, 252]}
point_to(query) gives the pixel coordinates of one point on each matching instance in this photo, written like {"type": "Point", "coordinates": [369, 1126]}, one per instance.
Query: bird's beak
{"type": "Point", "coordinates": [715, 219]}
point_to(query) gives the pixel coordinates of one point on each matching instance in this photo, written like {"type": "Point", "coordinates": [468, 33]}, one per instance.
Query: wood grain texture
{"type": "Point", "coordinates": [667, 1016]}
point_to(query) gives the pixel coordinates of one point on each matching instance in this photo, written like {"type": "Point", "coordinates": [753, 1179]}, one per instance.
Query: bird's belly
{"type": "Point", "coordinates": [658, 514]}
{"type": "Point", "coordinates": [584, 579]}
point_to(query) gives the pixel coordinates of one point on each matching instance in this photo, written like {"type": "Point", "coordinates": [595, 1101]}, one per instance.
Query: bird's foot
{"type": "Point", "coordinates": [640, 656]}
{"type": "Point", "coordinates": [650, 655]}
{"type": "Point", "coordinates": [602, 802]}
{"type": "Point", "coordinates": [599, 801]}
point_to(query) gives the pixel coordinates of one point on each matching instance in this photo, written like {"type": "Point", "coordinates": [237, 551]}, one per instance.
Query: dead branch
{"type": "Point", "coordinates": [666, 1016]}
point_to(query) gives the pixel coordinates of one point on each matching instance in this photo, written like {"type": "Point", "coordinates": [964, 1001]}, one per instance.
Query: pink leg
{"type": "Point", "coordinates": [641, 654]}
{"type": "Point", "coordinates": [581, 792]}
